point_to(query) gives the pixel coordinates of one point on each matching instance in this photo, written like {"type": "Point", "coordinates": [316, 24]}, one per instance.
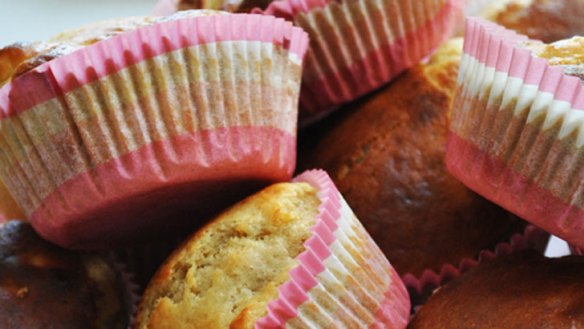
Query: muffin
{"type": "Point", "coordinates": [167, 7]}
{"type": "Point", "coordinates": [545, 20]}
{"type": "Point", "coordinates": [522, 291]}
{"type": "Point", "coordinates": [385, 154]}
{"type": "Point", "coordinates": [359, 46]}
{"type": "Point", "coordinates": [516, 133]}
{"type": "Point", "coordinates": [148, 122]}
{"type": "Point", "coordinates": [8, 207]}
{"type": "Point", "coordinates": [292, 255]}
{"type": "Point", "coordinates": [42, 285]}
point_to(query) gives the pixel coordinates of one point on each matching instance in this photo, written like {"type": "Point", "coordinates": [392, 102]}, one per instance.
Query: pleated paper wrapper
{"type": "Point", "coordinates": [517, 131]}
{"type": "Point", "coordinates": [154, 129]}
{"type": "Point", "coordinates": [421, 287]}
{"type": "Point", "coordinates": [342, 279]}
{"type": "Point", "coordinates": [358, 46]}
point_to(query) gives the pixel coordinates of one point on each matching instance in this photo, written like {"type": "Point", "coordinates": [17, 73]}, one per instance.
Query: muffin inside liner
{"type": "Point", "coordinates": [342, 277]}
{"type": "Point", "coordinates": [150, 114]}
{"type": "Point", "coordinates": [517, 136]}
{"type": "Point", "coordinates": [420, 288]}
{"type": "Point", "coordinates": [357, 46]}
{"type": "Point", "coordinates": [129, 286]}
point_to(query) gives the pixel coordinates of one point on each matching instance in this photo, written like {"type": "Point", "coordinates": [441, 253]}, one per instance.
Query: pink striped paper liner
{"type": "Point", "coordinates": [517, 131]}
{"type": "Point", "coordinates": [421, 287]}
{"type": "Point", "coordinates": [339, 254]}
{"type": "Point", "coordinates": [118, 138]}
{"type": "Point", "coordinates": [358, 46]}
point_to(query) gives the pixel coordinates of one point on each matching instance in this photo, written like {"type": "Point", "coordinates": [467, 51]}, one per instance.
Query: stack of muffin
{"type": "Point", "coordinates": [442, 165]}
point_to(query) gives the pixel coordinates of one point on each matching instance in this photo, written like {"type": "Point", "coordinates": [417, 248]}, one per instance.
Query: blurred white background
{"type": "Point", "coordinates": [29, 20]}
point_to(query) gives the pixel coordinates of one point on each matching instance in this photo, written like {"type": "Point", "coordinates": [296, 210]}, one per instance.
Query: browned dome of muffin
{"type": "Point", "coordinates": [546, 20]}
{"type": "Point", "coordinates": [235, 6]}
{"type": "Point", "coordinates": [44, 286]}
{"type": "Point", "coordinates": [21, 57]}
{"type": "Point", "coordinates": [522, 291]}
{"type": "Point", "coordinates": [386, 156]}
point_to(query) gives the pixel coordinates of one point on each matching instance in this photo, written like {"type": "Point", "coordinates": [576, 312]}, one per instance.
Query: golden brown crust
{"type": "Point", "coordinates": [546, 20]}
{"type": "Point", "coordinates": [41, 285]}
{"type": "Point", "coordinates": [225, 275]}
{"type": "Point", "coordinates": [568, 53]}
{"type": "Point", "coordinates": [19, 58]}
{"type": "Point", "coordinates": [386, 156]}
{"type": "Point", "coordinates": [523, 291]}
{"type": "Point", "coordinates": [234, 6]}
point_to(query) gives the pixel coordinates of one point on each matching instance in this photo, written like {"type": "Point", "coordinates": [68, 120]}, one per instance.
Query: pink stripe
{"type": "Point", "coordinates": [352, 82]}
{"type": "Point", "coordinates": [496, 47]}
{"type": "Point", "coordinates": [519, 195]}
{"type": "Point", "coordinates": [505, 57]}
{"type": "Point", "coordinates": [394, 310]}
{"type": "Point", "coordinates": [285, 307]}
{"type": "Point", "coordinates": [519, 63]}
{"type": "Point", "coordinates": [532, 238]}
{"type": "Point", "coordinates": [106, 206]}
{"type": "Point", "coordinates": [535, 71]}
{"type": "Point", "coordinates": [104, 58]}
{"type": "Point", "coordinates": [290, 8]}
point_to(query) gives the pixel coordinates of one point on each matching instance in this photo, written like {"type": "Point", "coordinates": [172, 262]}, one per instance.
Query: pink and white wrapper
{"type": "Point", "coordinates": [358, 46]}
{"type": "Point", "coordinates": [138, 132]}
{"type": "Point", "coordinates": [517, 131]}
{"type": "Point", "coordinates": [420, 288]}
{"type": "Point", "coordinates": [342, 279]}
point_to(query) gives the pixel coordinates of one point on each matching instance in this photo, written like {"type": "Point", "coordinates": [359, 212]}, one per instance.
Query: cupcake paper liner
{"type": "Point", "coordinates": [342, 278]}
{"type": "Point", "coordinates": [131, 289]}
{"type": "Point", "coordinates": [517, 131]}
{"type": "Point", "coordinates": [118, 134]}
{"type": "Point", "coordinates": [358, 46]}
{"type": "Point", "coordinates": [532, 238]}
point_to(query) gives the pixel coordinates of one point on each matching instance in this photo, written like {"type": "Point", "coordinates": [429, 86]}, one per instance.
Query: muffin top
{"type": "Point", "coordinates": [227, 273]}
{"type": "Point", "coordinates": [21, 57]}
{"type": "Point", "coordinates": [42, 284]}
{"type": "Point", "coordinates": [568, 53]}
{"type": "Point", "coordinates": [546, 20]}
{"type": "Point", "coordinates": [385, 154]}
{"type": "Point", "coordinates": [240, 6]}
{"type": "Point", "coordinates": [522, 291]}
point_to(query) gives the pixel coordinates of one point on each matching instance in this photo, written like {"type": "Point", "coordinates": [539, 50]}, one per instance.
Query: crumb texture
{"type": "Point", "coordinates": [228, 272]}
